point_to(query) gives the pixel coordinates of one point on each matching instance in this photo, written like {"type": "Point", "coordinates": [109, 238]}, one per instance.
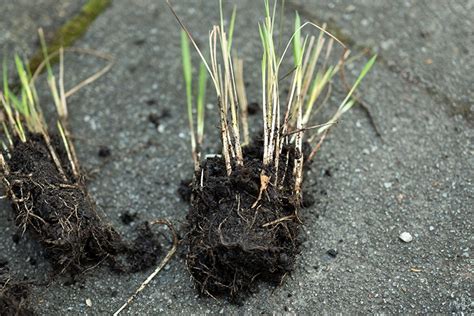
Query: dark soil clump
{"type": "Point", "coordinates": [57, 211]}
{"type": "Point", "coordinates": [104, 152]}
{"type": "Point", "coordinates": [128, 217]}
{"type": "Point", "coordinates": [233, 243]}
{"type": "Point", "coordinates": [185, 190]}
{"type": "Point", "coordinates": [13, 296]}
{"type": "Point", "coordinates": [143, 251]}
{"type": "Point", "coordinates": [253, 108]}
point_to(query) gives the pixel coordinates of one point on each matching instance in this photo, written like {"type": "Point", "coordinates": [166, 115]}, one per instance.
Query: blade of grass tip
{"type": "Point", "coordinates": [221, 16]}
{"type": "Point", "coordinates": [297, 40]}
{"type": "Point", "coordinates": [36, 110]}
{"type": "Point", "coordinates": [187, 74]}
{"type": "Point", "coordinates": [183, 27]}
{"type": "Point", "coordinates": [201, 100]}
{"type": "Point", "coordinates": [187, 70]}
{"type": "Point", "coordinates": [231, 29]}
{"type": "Point", "coordinates": [62, 110]}
{"type": "Point", "coordinates": [274, 13]}
{"type": "Point", "coordinates": [280, 33]}
{"type": "Point", "coordinates": [44, 48]}
{"type": "Point", "coordinates": [51, 80]}
{"type": "Point", "coordinates": [24, 83]}
{"type": "Point", "coordinates": [35, 114]}
{"type": "Point", "coordinates": [361, 76]}
{"type": "Point", "coordinates": [290, 41]}
{"type": "Point", "coordinates": [267, 9]}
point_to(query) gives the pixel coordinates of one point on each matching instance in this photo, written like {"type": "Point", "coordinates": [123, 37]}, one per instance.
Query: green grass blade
{"type": "Point", "coordinates": [203, 76]}
{"type": "Point", "coordinates": [19, 103]}
{"type": "Point", "coordinates": [187, 69]}
{"type": "Point", "coordinates": [231, 29]}
{"type": "Point", "coordinates": [361, 76]}
{"type": "Point", "coordinates": [24, 81]}
{"type": "Point", "coordinates": [267, 9]}
{"type": "Point", "coordinates": [297, 40]}
{"type": "Point", "coordinates": [187, 73]}
{"type": "Point", "coordinates": [45, 53]}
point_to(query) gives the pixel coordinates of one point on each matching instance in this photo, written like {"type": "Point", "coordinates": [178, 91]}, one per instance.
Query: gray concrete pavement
{"type": "Point", "coordinates": [417, 179]}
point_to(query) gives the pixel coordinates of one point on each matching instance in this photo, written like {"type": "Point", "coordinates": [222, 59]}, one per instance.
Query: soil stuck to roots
{"type": "Point", "coordinates": [60, 214]}
{"type": "Point", "coordinates": [232, 244]}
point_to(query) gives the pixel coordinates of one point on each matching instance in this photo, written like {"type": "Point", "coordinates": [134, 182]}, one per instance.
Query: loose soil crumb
{"type": "Point", "coordinates": [104, 152]}
{"type": "Point", "coordinates": [155, 119]}
{"type": "Point", "coordinates": [185, 189]}
{"type": "Point", "coordinates": [128, 217]}
{"type": "Point", "coordinates": [144, 250]}
{"type": "Point", "coordinates": [332, 253]}
{"type": "Point", "coordinates": [253, 108]}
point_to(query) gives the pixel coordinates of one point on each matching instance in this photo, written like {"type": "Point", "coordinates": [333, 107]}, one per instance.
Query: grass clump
{"type": "Point", "coordinates": [244, 216]}
{"type": "Point", "coordinates": [46, 186]}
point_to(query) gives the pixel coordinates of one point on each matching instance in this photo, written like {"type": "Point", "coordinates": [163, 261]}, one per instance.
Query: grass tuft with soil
{"type": "Point", "coordinates": [243, 223]}
{"type": "Point", "coordinates": [231, 244]}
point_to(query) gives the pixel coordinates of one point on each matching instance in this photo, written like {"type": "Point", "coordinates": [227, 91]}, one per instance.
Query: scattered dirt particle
{"type": "Point", "coordinates": [16, 238]}
{"type": "Point", "coordinates": [144, 250]}
{"type": "Point", "coordinates": [128, 217]}
{"type": "Point", "coordinates": [332, 253]}
{"type": "Point", "coordinates": [155, 119]}
{"type": "Point", "coordinates": [139, 41]}
{"type": "Point", "coordinates": [327, 172]}
{"type": "Point", "coordinates": [308, 200]}
{"type": "Point", "coordinates": [3, 262]}
{"type": "Point", "coordinates": [32, 261]}
{"type": "Point", "coordinates": [185, 190]}
{"type": "Point", "coordinates": [104, 152]}
{"type": "Point", "coordinates": [151, 102]}
{"type": "Point", "coordinates": [253, 108]}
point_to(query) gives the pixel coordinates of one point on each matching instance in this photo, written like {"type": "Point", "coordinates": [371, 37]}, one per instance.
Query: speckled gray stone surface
{"type": "Point", "coordinates": [416, 179]}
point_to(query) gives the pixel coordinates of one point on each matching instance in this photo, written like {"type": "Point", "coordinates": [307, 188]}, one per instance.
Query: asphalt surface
{"type": "Point", "coordinates": [416, 178]}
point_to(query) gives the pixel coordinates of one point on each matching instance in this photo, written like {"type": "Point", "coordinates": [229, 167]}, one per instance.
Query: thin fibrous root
{"type": "Point", "coordinates": [162, 264]}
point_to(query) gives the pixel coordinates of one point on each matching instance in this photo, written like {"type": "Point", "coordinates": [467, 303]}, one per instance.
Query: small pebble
{"type": "Point", "coordinates": [387, 185]}
{"type": "Point", "coordinates": [406, 237]}
{"type": "Point", "coordinates": [431, 228]}
{"type": "Point", "coordinates": [88, 302]}
{"type": "Point", "coordinates": [350, 8]}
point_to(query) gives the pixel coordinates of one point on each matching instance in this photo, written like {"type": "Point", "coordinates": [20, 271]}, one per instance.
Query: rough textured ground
{"type": "Point", "coordinates": [417, 178]}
